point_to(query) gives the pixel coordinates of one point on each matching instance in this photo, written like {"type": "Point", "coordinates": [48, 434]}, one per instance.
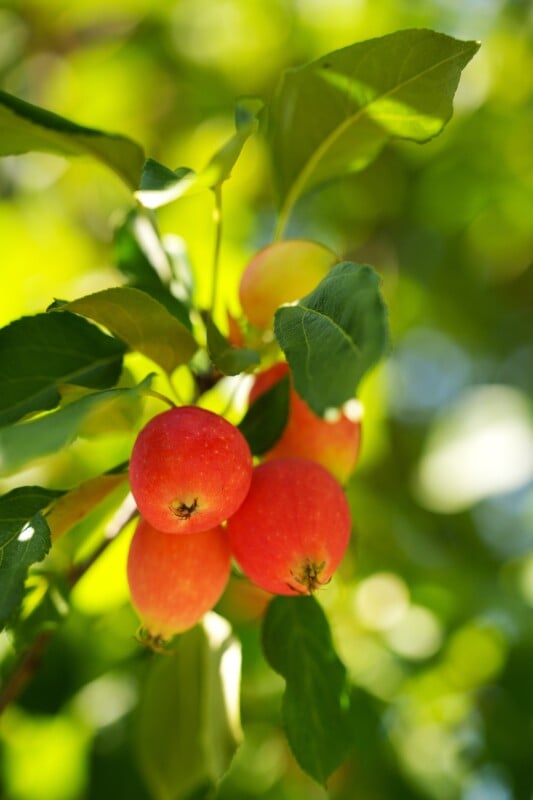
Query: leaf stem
{"type": "Point", "coordinates": [30, 660]}
{"type": "Point", "coordinates": [160, 396]}
{"type": "Point", "coordinates": [217, 219]}
{"type": "Point", "coordinates": [283, 219]}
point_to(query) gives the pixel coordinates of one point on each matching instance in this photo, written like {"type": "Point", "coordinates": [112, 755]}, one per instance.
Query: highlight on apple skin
{"type": "Point", "coordinates": [175, 580]}
{"type": "Point", "coordinates": [282, 273]}
{"type": "Point", "coordinates": [335, 444]}
{"type": "Point", "coordinates": [291, 532]}
{"type": "Point", "coordinates": [190, 469]}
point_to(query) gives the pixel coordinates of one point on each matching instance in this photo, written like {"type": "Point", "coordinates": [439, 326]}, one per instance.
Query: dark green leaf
{"type": "Point", "coordinates": [188, 726]}
{"type": "Point", "coordinates": [332, 116]}
{"type": "Point", "coordinates": [38, 353]}
{"type": "Point", "coordinates": [297, 644]}
{"type": "Point", "coordinates": [24, 540]}
{"type": "Point", "coordinates": [160, 185]}
{"type": "Point", "coordinates": [265, 420]}
{"type": "Point", "coordinates": [26, 128]}
{"type": "Point", "coordinates": [334, 335]}
{"type": "Point", "coordinates": [40, 437]}
{"type": "Point", "coordinates": [228, 359]}
{"type": "Point", "coordinates": [140, 321]}
{"type": "Point", "coordinates": [141, 257]}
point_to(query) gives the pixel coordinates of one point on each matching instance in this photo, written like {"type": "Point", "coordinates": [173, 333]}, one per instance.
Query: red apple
{"type": "Point", "coordinates": [293, 528]}
{"type": "Point", "coordinates": [190, 469]}
{"type": "Point", "coordinates": [175, 580]}
{"type": "Point", "coordinates": [335, 444]}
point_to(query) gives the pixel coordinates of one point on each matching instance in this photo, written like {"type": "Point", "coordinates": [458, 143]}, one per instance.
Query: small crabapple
{"type": "Point", "coordinates": [282, 273]}
{"type": "Point", "coordinates": [175, 580]}
{"type": "Point", "coordinates": [293, 528]}
{"type": "Point", "coordinates": [335, 444]}
{"type": "Point", "coordinates": [190, 469]}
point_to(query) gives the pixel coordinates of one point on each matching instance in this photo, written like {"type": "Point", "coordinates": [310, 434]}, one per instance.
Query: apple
{"type": "Point", "coordinates": [190, 469]}
{"type": "Point", "coordinates": [293, 528]}
{"type": "Point", "coordinates": [282, 273]}
{"type": "Point", "coordinates": [175, 580]}
{"type": "Point", "coordinates": [334, 444]}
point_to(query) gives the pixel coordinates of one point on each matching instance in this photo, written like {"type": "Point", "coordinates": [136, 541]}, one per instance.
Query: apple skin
{"type": "Point", "coordinates": [190, 469]}
{"type": "Point", "coordinates": [335, 445]}
{"type": "Point", "coordinates": [175, 580]}
{"type": "Point", "coordinates": [292, 530]}
{"type": "Point", "coordinates": [282, 273]}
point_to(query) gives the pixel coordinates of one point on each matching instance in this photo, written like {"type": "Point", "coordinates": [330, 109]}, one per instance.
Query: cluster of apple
{"type": "Point", "coordinates": [285, 521]}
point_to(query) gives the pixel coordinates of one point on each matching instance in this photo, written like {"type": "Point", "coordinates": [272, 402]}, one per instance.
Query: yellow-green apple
{"type": "Point", "coordinates": [282, 273]}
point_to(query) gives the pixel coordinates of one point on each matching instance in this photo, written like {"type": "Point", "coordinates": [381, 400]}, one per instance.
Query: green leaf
{"type": "Point", "coordinates": [24, 540]}
{"type": "Point", "coordinates": [142, 259]}
{"type": "Point", "coordinates": [332, 116]}
{"type": "Point", "coordinates": [334, 335]}
{"type": "Point", "coordinates": [140, 321]}
{"type": "Point", "coordinates": [188, 723]}
{"type": "Point", "coordinates": [221, 164]}
{"type": "Point", "coordinates": [161, 185]}
{"type": "Point", "coordinates": [297, 644]}
{"type": "Point", "coordinates": [265, 420]}
{"type": "Point", "coordinates": [36, 438]}
{"type": "Point", "coordinates": [26, 127]}
{"type": "Point", "coordinates": [38, 353]}
{"type": "Point", "coordinates": [228, 359]}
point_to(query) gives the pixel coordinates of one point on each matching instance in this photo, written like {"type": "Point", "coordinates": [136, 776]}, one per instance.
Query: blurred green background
{"type": "Point", "coordinates": [432, 609]}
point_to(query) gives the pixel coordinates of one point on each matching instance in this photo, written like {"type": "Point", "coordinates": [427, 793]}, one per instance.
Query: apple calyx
{"type": "Point", "coordinates": [308, 577]}
{"type": "Point", "coordinates": [182, 510]}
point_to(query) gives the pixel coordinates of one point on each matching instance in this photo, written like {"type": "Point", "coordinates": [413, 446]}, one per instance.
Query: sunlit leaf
{"type": "Point", "coordinates": [141, 257]}
{"type": "Point", "coordinates": [332, 337]}
{"type": "Point", "coordinates": [297, 644]}
{"type": "Point", "coordinates": [38, 353]}
{"type": "Point", "coordinates": [27, 441]}
{"type": "Point", "coordinates": [140, 321]}
{"type": "Point", "coordinates": [228, 359]}
{"type": "Point", "coordinates": [188, 725]}
{"type": "Point", "coordinates": [265, 420]}
{"type": "Point", "coordinates": [24, 540]}
{"type": "Point", "coordinates": [26, 128]}
{"type": "Point", "coordinates": [332, 116]}
{"type": "Point", "coordinates": [161, 185]}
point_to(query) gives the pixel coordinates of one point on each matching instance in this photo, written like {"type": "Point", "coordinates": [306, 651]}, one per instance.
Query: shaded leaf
{"type": "Point", "coordinates": [38, 353]}
{"type": "Point", "coordinates": [228, 359]}
{"type": "Point", "coordinates": [40, 437]}
{"type": "Point", "coordinates": [140, 321]}
{"type": "Point", "coordinates": [26, 128]}
{"type": "Point", "coordinates": [297, 644]}
{"type": "Point", "coordinates": [24, 540]}
{"type": "Point", "coordinates": [77, 503]}
{"type": "Point", "coordinates": [188, 723]}
{"type": "Point", "coordinates": [332, 116]}
{"type": "Point", "coordinates": [161, 185]}
{"type": "Point", "coordinates": [142, 259]}
{"type": "Point", "coordinates": [334, 335]}
{"type": "Point", "coordinates": [265, 420]}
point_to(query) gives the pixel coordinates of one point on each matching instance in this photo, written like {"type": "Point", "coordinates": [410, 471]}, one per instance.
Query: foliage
{"type": "Point", "coordinates": [429, 644]}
